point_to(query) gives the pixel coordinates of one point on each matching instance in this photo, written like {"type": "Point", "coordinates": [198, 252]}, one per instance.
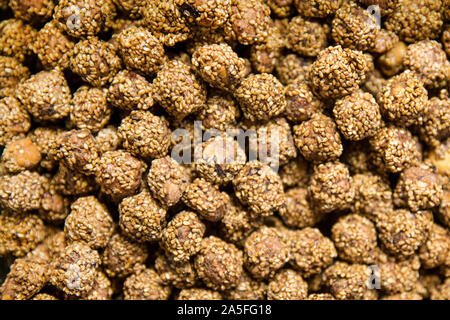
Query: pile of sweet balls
{"type": "Point", "coordinates": [93, 205]}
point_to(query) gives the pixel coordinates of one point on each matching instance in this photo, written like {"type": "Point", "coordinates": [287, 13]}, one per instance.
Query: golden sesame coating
{"type": "Point", "coordinates": [101, 289]}
{"type": "Point", "coordinates": [287, 285]}
{"type": "Point", "coordinates": [247, 288]}
{"type": "Point", "coordinates": [46, 139]}
{"type": "Point", "coordinates": [281, 8]}
{"type": "Point", "coordinates": [399, 276]}
{"type": "Point", "coordinates": [220, 112]}
{"type": "Point", "coordinates": [218, 264]}
{"type": "Point", "coordinates": [44, 296]}
{"type": "Point", "coordinates": [11, 73]}
{"type": "Point", "coordinates": [89, 221]}
{"type": "Point", "coordinates": [307, 38]}
{"type": "Point", "coordinates": [198, 294]}
{"type": "Point", "coordinates": [53, 47]}
{"type": "Point", "coordinates": [402, 232]}
{"type": "Point", "coordinates": [129, 91]}
{"type": "Point", "coordinates": [82, 18]}
{"type": "Point", "coordinates": [444, 209]}
{"type": "Point", "coordinates": [167, 180]}
{"type": "Point", "coordinates": [338, 71]}
{"type": "Point", "coordinates": [317, 8]}
{"type": "Point", "coordinates": [219, 65]}
{"type": "Point", "coordinates": [265, 251]}
{"type": "Point", "coordinates": [391, 62]}
{"type": "Point", "coordinates": [55, 207]}
{"type": "Point", "coordinates": [95, 61]}
{"type": "Point", "coordinates": [183, 235]}
{"type": "Point", "coordinates": [436, 249]}
{"type": "Point", "coordinates": [20, 233]}
{"type": "Point", "coordinates": [72, 183]}
{"type": "Point", "coordinates": [418, 188]}
{"type": "Point", "coordinates": [261, 97]}
{"type": "Point", "coordinates": [264, 56]}
{"type": "Point", "coordinates": [436, 126]}
{"type": "Point", "coordinates": [357, 115]}
{"type": "Point", "coordinates": [121, 255]}
{"type": "Point", "coordinates": [181, 275]}
{"type": "Point", "coordinates": [140, 50]}
{"type": "Point", "coordinates": [75, 270]}
{"type": "Point", "coordinates": [45, 95]}
{"type": "Point", "coordinates": [176, 80]}
{"type": "Point", "coordinates": [141, 217]}
{"type": "Point", "coordinates": [292, 68]}
{"type": "Point", "coordinates": [20, 154]}
{"type": "Point", "coordinates": [107, 139]}
{"type": "Point", "coordinates": [374, 82]}
{"type": "Point", "coordinates": [16, 39]}
{"type": "Point", "coordinates": [14, 119]}
{"type": "Point", "coordinates": [259, 187]}
{"type": "Point", "coordinates": [145, 285]}
{"type": "Point", "coordinates": [206, 13]}
{"type": "Point", "coordinates": [119, 173]}
{"type": "Point", "coordinates": [295, 173]}
{"type": "Point", "coordinates": [132, 8]}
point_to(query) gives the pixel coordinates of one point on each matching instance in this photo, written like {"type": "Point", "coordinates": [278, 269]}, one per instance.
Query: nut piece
{"type": "Point", "coordinates": [121, 255]}
{"type": "Point", "coordinates": [140, 50]}
{"type": "Point", "coordinates": [89, 221]}
{"type": "Point", "coordinates": [167, 180]}
{"type": "Point", "coordinates": [261, 97]}
{"type": "Point", "coordinates": [145, 134]}
{"type": "Point", "coordinates": [45, 95]}
{"type": "Point", "coordinates": [331, 187]}
{"type": "Point", "coordinates": [265, 252]}
{"type": "Point", "coordinates": [141, 217]}
{"type": "Point", "coordinates": [259, 187]}
{"type": "Point", "coordinates": [11, 73]}
{"type": "Point", "coordinates": [218, 264]}
{"type": "Point", "coordinates": [20, 154]}
{"type": "Point", "coordinates": [301, 104]}
{"type": "Point", "coordinates": [182, 237]}
{"type": "Point", "coordinates": [32, 11]}
{"type": "Point", "coordinates": [287, 285]}
{"type": "Point", "coordinates": [75, 270]}
{"type": "Point", "coordinates": [307, 38]}
{"type": "Point", "coordinates": [145, 285]}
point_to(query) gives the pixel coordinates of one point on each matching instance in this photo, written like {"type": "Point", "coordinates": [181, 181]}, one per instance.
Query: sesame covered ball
{"type": "Point", "coordinates": [287, 285]}
{"type": "Point", "coordinates": [219, 65]}
{"type": "Point", "coordinates": [81, 18]}
{"type": "Point", "coordinates": [75, 270]}
{"type": "Point", "coordinates": [207, 13]}
{"type": "Point", "coordinates": [391, 62]}
{"type": "Point", "coordinates": [16, 38]}
{"type": "Point", "coordinates": [53, 47]}
{"type": "Point", "coordinates": [281, 8]}
{"type": "Point", "coordinates": [121, 255]}
{"type": "Point", "coordinates": [220, 159]}
{"type": "Point", "coordinates": [331, 187]}
{"type": "Point", "coordinates": [220, 112]}
{"type": "Point", "coordinates": [132, 8]}
{"type": "Point", "coordinates": [264, 55]}
{"type": "Point", "coordinates": [218, 264]}
{"type": "Point", "coordinates": [403, 232]}
{"type": "Point", "coordinates": [14, 119]}
{"type": "Point", "coordinates": [247, 289]}
{"type": "Point", "coordinates": [22, 192]}
{"type": "Point", "coordinates": [301, 104]}
{"type": "Point", "coordinates": [101, 289]}
{"type": "Point", "coordinates": [130, 91]}
{"type": "Point", "coordinates": [249, 21]}
{"type": "Point", "coordinates": [437, 247]}
{"type": "Point", "coordinates": [399, 276]}
{"type": "Point", "coordinates": [373, 195]}
{"type": "Point", "coordinates": [32, 12]}
{"type": "Point", "coordinates": [145, 134]}
{"type": "Point", "coordinates": [20, 233]}
{"type": "Point", "coordinates": [436, 126]}
{"type": "Point", "coordinates": [89, 221]}
{"type": "Point", "coordinates": [395, 149]}
{"type": "Point", "coordinates": [145, 285]}
{"type": "Point", "coordinates": [46, 139]}
{"type": "Point", "coordinates": [78, 151]}
{"type": "Point", "coordinates": [355, 238]}
{"type": "Point", "coordinates": [95, 61]}
{"type": "Point", "coordinates": [295, 173]}
{"type": "Point", "coordinates": [307, 38]}
{"type": "Point", "coordinates": [167, 180]}
{"type": "Point", "coordinates": [404, 100]}
{"type": "Point", "coordinates": [415, 20]}
{"type": "Point", "coordinates": [11, 73]}
{"type": "Point", "coordinates": [89, 109]}
{"type": "Point", "coordinates": [206, 199]}
{"type": "Point", "coordinates": [317, 8]}
{"type": "Point", "coordinates": [357, 115]}
{"type": "Point", "coordinates": [311, 251]}
{"type": "Point", "coordinates": [119, 173]}
{"type": "Point", "coordinates": [20, 154]}
{"type": "Point", "coordinates": [292, 68]}
{"type": "Point", "coordinates": [178, 274]}
{"type": "Point", "coordinates": [354, 28]}
{"type": "Point", "coordinates": [347, 281]}
{"type": "Point", "coordinates": [55, 207]}
{"type": "Point", "coordinates": [183, 235]}
{"type": "Point", "coordinates": [427, 58]}
{"type": "Point", "coordinates": [46, 95]}
{"type": "Point", "coordinates": [260, 188]}
{"type": "Point", "coordinates": [297, 211]}
{"type": "Point", "coordinates": [338, 71]}
{"type": "Point", "coordinates": [198, 294]}
{"type": "Point", "coordinates": [141, 217]}
{"type": "Point", "coordinates": [265, 252]}
{"type": "Point", "coordinates": [140, 50]}
{"type": "Point", "coordinates": [318, 139]}
{"type": "Point", "coordinates": [261, 97]}
{"type": "Point", "coordinates": [176, 80]}
{"type": "Point", "coordinates": [418, 188]}
{"type": "Point", "coordinates": [107, 139]}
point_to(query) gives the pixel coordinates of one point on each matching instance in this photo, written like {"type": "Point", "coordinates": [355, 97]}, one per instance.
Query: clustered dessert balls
{"type": "Point", "coordinates": [224, 149]}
